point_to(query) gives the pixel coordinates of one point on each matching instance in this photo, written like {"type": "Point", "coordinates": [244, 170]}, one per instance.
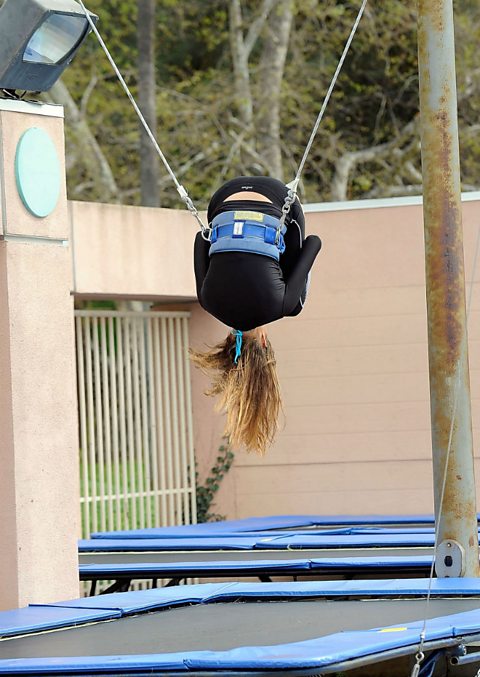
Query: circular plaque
{"type": "Point", "coordinates": [37, 171]}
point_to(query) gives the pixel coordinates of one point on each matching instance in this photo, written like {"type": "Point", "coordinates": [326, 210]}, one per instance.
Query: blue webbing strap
{"type": "Point", "coordinates": [249, 231]}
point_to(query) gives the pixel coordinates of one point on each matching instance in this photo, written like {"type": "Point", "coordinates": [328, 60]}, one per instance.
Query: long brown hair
{"type": "Point", "coordinates": [248, 391]}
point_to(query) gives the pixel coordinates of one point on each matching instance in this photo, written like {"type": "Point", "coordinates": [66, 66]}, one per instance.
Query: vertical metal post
{"type": "Point", "coordinates": [455, 511]}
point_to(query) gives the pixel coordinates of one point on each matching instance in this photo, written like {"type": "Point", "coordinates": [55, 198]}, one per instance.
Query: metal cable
{"type": "Point", "coordinates": [292, 193]}
{"type": "Point", "coordinates": [181, 190]}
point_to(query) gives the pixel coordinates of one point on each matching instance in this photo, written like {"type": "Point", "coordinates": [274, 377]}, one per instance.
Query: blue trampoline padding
{"type": "Point", "coordinates": [384, 588]}
{"type": "Point", "coordinates": [259, 542]}
{"type": "Point", "coordinates": [315, 653]}
{"type": "Point", "coordinates": [390, 530]}
{"type": "Point", "coordinates": [401, 562]}
{"type": "Point", "coordinates": [249, 524]}
{"type": "Point", "coordinates": [114, 545]}
{"type": "Point", "coordinates": [349, 541]}
{"type": "Point", "coordinates": [144, 600]}
{"type": "Point", "coordinates": [254, 524]}
{"type": "Point", "coordinates": [204, 593]}
{"type": "Point", "coordinates": [157, 534]}
{"type": "Point", "coordinates": [158, 568]}
{"type": "Point", "coordinates": [35, 619]}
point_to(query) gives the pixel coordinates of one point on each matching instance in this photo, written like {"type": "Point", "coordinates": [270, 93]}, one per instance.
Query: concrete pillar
{"type": "Point", "coordinates": [39, 493]}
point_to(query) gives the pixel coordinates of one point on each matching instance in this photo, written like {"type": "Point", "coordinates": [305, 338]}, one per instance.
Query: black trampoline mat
{"type": "Point", "coordinates": [220, 627]}
{"type": "Point", "coordinates": [243, 555]}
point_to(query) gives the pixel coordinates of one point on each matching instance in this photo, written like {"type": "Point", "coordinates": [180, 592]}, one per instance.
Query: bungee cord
{"type": "Point", "coordinates": [293, 185]}
{"type": "Point", "coordinates": [180, 189]}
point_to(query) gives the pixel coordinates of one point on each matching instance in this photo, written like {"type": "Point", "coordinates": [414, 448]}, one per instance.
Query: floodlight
{"type": "Point", "coordinates": [38, 39]}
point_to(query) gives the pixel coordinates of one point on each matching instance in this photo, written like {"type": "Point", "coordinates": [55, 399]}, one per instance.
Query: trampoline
{"type": "Point", "coordinates": [291, 541]}
{"type": "Point", "coordinates": [381, 555]}
{"type": "Point", "coordinates": [240, 628]}
{"type": "Point", "coordinates": [174, 572]}
{"type": "Point", "coordinates": [274, 523]}
{"type": "Point", "coordinates": [157, 534]}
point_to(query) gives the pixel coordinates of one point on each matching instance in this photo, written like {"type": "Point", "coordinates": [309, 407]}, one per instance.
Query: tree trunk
{"type": "Point", "coordinates": [243, 94]}
{"type": "Point", "coordinates": [272, 67]}
{"type": "Point", "coordinates": [88, 149]}
{"type": "Point", "coordinates": [149, 166]}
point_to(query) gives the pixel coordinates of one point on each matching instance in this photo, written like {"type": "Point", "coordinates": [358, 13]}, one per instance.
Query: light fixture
{"type": "Point", "coordinates": [38, 39]}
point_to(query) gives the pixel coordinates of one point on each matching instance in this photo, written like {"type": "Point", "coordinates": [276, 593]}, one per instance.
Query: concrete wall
{"type": "Point", "coordinates": [353, 366]}
{"type": "Point", "coordinates": [39, 492]}
{"type": "Point", "coordinates": [132, 252]}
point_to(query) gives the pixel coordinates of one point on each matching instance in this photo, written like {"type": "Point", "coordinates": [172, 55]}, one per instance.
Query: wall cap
{"type": "Point", "coordinates": [376, 203]}
{"type": "Point", "coordinates": [51, 110]}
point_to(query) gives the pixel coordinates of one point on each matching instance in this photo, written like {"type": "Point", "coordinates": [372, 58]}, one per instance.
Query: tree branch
{"type": "Point", "coordinates": [87, 94]}
{"type": "Point", "coordinates": [257, 26]}
{"type": "Point", "coordinates": [348, 161]}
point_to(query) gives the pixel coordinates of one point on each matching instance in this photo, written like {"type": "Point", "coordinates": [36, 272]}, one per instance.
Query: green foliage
{"type": "Point", "coordinates": [375, 97]}
{"type": "Point", "coordinates": [206, 492]}
{"type": "Point", "coordinates": [96, 304]}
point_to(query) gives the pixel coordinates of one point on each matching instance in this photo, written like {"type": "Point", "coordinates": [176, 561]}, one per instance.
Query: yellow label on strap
{"type": "Point", "coordinates": [393, 630]}
{"type": "Point", "coordinates": [248, 216]}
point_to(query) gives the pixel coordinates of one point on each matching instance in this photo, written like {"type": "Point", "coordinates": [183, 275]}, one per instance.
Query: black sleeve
{"type": "Point", "coordinates": [201, 261]}
{"type": "Point", "coordinates": [295, 285]}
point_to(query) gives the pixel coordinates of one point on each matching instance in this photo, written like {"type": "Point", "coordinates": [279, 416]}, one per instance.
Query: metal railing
{"type": "Point", "coordinates": [135, 420]}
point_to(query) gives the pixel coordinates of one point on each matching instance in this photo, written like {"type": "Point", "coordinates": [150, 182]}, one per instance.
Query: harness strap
{"type": "Point", "coordinates": [248, 231]}
{"type": "Point", "coordinates": [241, 229]}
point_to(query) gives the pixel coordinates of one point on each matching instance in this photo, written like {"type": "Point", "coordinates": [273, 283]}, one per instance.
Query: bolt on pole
{"type": "Point", "coordinates": [454, 492]}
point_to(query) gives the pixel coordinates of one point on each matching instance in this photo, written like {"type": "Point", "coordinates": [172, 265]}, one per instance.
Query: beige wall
{"type": "Point", "coordinates": [132, 252]}
{"type": "Point", "coordinates": [353, 366]}
{"type": "Point", "coordinates": [354, 374]}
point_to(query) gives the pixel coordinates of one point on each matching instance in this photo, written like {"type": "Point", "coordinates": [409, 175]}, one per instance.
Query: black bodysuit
{"type": "Point", "coordinates": [246, 290]}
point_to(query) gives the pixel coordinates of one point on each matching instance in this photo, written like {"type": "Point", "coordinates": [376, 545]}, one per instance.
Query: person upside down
{"type": "Point", "coordinates": [253, 271]}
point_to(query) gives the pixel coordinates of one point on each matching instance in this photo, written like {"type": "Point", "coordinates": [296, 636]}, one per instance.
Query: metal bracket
{"type": "Point", "coordinates": [450, 559]}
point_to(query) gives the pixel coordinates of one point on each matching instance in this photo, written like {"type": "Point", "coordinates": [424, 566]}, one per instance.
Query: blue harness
{"type": "Point", "coordinates": [247, 231]}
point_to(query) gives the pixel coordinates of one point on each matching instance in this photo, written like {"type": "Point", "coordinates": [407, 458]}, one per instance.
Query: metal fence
{"type": "Point", "coordinates": [136, 439]}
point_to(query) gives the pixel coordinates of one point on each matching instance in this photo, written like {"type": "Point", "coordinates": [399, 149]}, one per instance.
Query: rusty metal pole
{"type": "Point", "coordinates": [456, 516]}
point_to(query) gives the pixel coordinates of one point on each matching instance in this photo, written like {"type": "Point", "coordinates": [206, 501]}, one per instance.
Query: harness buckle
{"type": "Point", "coordinates": [238, 229]}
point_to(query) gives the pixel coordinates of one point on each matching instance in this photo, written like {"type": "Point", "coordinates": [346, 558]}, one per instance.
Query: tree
{"type": "Point", "coordinates": [239, 86]}
{"type": "Point", "coordinates": [149, 169]}
{"type": "Point", "coordinates": [271, 68]}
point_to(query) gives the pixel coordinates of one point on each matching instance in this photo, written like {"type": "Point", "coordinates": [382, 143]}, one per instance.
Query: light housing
{"type": "Point", "coordinates": [38, 39]}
